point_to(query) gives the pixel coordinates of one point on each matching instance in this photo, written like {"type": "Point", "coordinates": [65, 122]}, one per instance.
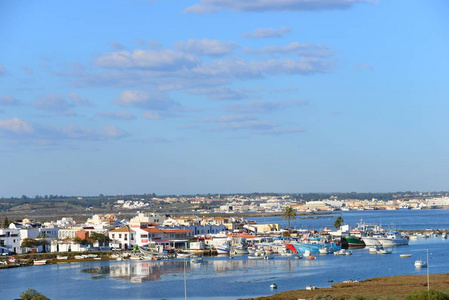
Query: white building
{"type": "Point", "coordinates": [9, 240]}
{"type": "Point", "coordinates": [143, 219]}
{"type": "Point", "coordinates": [123, 237]}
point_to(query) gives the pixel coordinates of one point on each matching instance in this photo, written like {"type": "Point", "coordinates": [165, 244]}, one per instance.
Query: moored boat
{"type": "Point", "coordinates": [39, 262]}
{"type": "Point", "coordinates": [420, 264]}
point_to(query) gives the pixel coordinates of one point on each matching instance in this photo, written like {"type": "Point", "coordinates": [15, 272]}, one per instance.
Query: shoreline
{"type": "Point", "coordinates": [393, 287]}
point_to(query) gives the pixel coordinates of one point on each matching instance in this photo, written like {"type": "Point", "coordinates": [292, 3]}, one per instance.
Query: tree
{"type": "Point", "coordinates": [99, 237]}
{"type": "Point", "coordinates": [289, 214]}
{"type": "Point", "coordinates": [6, 223]}
{"type": "Point", "coordinates": [31, 294]}
{"type": "Point", "coordinates": [30, 243]}
{"type": "Point", "coordinates": [338, 222]}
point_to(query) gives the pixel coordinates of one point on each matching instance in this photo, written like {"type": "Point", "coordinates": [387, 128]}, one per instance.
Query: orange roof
{"type": "Point", "coordinates": [152, 229]}
{"type": "Point", "coordinates": [177, 230]}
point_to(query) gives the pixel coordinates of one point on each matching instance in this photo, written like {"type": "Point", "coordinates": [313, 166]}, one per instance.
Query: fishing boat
{"type": "Point", "coordinates": [389, 239]}
{"type": "Point", "coordinates": [60, 257]}
{"type": "Point", "coordinates": [405, 255]}
{"type": "Point", "coordinates": [314, 244]}
{"type": "Point", "coordinates": [353, 240]}
{"type": "Point", "coordinates": [223, 248]}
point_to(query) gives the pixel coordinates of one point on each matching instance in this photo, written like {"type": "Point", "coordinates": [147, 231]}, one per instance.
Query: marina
{"type": "Point", "coordinates": [228, 277]}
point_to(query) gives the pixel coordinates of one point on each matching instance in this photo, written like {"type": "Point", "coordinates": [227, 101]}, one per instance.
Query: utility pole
{"type": "Point", "coordinates": [428, 267]}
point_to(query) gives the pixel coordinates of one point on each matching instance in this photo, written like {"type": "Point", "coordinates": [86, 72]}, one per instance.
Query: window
{"type": "Point", "coordinates": [120, 236]}
{"type": "Point", "coordinates": [113, 235]}
{"type": "Point", "coordinates": [126, 237]}
{"type": "Point", "coordinates": [132, 237]}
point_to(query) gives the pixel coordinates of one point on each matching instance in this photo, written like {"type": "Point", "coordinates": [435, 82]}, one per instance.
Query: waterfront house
{"type": "Point", "coordinates": [123, 238]}
{"type": "Point", "coordinates": [9, 240]}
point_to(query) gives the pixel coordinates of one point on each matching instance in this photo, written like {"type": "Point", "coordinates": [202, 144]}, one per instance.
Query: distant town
{"type": "Point", "coordinates": [120, 222]}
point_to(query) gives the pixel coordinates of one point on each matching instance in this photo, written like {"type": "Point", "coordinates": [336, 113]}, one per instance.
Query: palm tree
{"type": "Point", "coordinates": [338, 222]}
{"type": "Point", "coordinates": [289, 214]}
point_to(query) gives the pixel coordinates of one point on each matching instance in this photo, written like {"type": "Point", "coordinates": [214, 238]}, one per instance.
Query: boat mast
{"type": "Point", "coordinates": [185, 282]}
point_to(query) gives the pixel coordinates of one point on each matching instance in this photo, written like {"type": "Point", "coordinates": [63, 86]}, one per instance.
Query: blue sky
{"type": "Point", "coordinates": [223, 96]}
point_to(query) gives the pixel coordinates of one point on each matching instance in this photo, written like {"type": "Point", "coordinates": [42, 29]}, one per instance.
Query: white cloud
{"type": "Point", "coordinates": [208, 6]}
{"type": "Point", "coordinates": [15, 126]}
{"type": "Point", "coordinates": [152, 115]}
{"type": "Point", "coordinates": [295, 49]}
{"type": "Point", "coordinates": [145, 100]}
{"type": "Point", "coordinates": [54, 103]}
{"type": "Point", "coordinates": [221, 93]}
{"type": "Point", "coordinates": [16, 129]}
{"type": "Point", "coordinates": [205, 47]}
{"type": "Point", "coordinates": [148, 60]}
{"type": "Point", "coordinates": [267, 33]}
{"type": "Point", "coordinates": [119, 115]}
{"type": "Point", "coordinates": [264, 106]}
{"type": "Point", "coordinates": [9, 100]}
{"type": "Point", "coordinates": [78, 100]}
{"type": "Point", "coordinates": [238, 68]}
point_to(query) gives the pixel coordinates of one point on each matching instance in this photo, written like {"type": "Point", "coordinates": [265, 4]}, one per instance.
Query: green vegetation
{"type": "Point", "coordinates": [427, 294]}
{"type": "Point", "coordinates": [31, 294]}
{"type": "Point", "coordinates": [338, 222]}
{"type": "Point", "coordinates": [289, 214]}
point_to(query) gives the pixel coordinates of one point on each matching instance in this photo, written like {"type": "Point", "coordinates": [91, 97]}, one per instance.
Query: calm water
{"type": "Point", "coordinates": [222, 278]}
{"type": "Point", "coordinates": [398, 219]}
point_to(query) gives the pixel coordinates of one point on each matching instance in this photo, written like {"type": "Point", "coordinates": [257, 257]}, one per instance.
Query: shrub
{"type": "Point", "coordinates": [324, 297]}
{"type": "Point", "coordinates": [425, 295]}
{"type": "Point", "coordinates": [31, 294]}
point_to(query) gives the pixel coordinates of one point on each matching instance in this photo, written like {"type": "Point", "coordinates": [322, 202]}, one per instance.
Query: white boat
{"type": "Point", "coordinates": [239, 251]}
{"type": "Point", "coordinates": [254, 256]}
{"type": "Point", "coordinates": [273, 286]}
{"type": "Point", "coordinates": [135, 257]}
{"type": "Point", "coordinates": [384, 251]}
{"type": "Point", "coordinates": [183, 255]}
{"type": "Point", "coordinates": [40, 262]}
{"type": "Point", "coordinates": [120, 258]}
{"type": "Point", "coordinates": [343, 252]}
{"type": "Point", "coordinates": [223, 248]}
{"type": "Point", "coordinates": [79, 256]}
{"type": "Point", "coordinates": [413, 237]}
{"type": "Point", "coordinates": [420, 264]}
{"type": "Point", "coordinates": [60, 257]}
{"type": "Point", "coordinates": [405, 255]}
{"type": "Point", "coordinates": [324, 250]}
{"type": "Point", "coordinates": [389, 239]}
{"type": "Point", "coordinates": [444, 235]}
{"type": "Point", "coordinates": [374, 249]}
